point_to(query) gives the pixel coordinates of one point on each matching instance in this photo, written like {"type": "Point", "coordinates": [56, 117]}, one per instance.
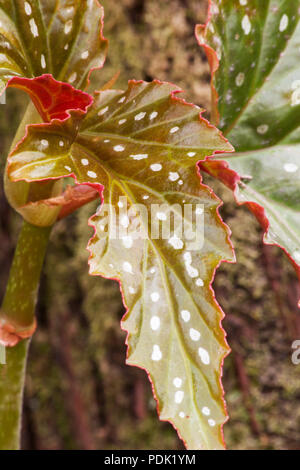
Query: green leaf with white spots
{"type": "Point", "coordinates": [140, 148]}
{"type": "Point", "coordinates": [254, 51]}
{"type": "Point", "coordinates": [63, 38]}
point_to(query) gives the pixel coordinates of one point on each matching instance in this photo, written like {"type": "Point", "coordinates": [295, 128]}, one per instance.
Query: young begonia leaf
{"type": "Point", "coordinates": [54, 100]}
{"type": "Point", "coordinates": [253, 49]}
{"type": "Point", "coordinates": [45, 36]}
{"type": "Point", "coordinates": [139, 148]}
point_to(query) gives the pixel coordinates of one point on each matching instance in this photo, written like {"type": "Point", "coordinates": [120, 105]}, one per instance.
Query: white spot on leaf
{"type": "Point", "coordinates": [240, 78]}
{"type": "Point", "coordinates": [28, 9]}
{"type": "Point", "coordinates": [153, 115]}
{"type": "Point", "coordinates": [173, 176]}
{"type": "Point", "coordinates": [156, 167]}
{"type": "Point", "coordinates": [155, 297]}
{"type": "Point", "coordinates": [72, 77]}
{"type": "Point", "coordinates": [192, 272]}
{"type": "Point", "coordinates": [139, 116]}
{"type": "Point", "coordinates": [177, 382]}
{"type": "Point", "coordinates": [119, 148]}
{"type": "Point", "coordinates": [155, 323]}
{"type": "Point", "coordinates": [68, 26]}
{"type": "Point", "coordinates": [156, 353]}
{"type": "Point", "coordinates": [176, 242]}
{"type": "Point", "coordinates": [43, 61]}
{"type": "Point", "coordinates": [290, 167]}
{"type": "Point", "coordinates": [103, 111]}
{"type": "Point", "coordinates": [246, 25]}
{"type": "Point", "coordinates": [206, 411]}
{"type": "Point", "coordinates": [199, 282]}
{"type": "Point", "coordinates": [283, 23]}
{"type": "Point", "coordinates": [33, 28]}
{"type": "Point", "coordinates": [45, 143]}
{"type": "Point", "coordinates": [195, 334]}
{"type": "Point", "coordinates": [262, 129]}
{"type": "Point", "coordinates": [179, 396]}
{"type": "Point", "coordinates": [185, 315]}
{"type": "Point", "coordinates": [127, 267]}
{"type": "Point", "coordinates": [204, 356]}
{"type": "Point", "coordinates": [139, 156]}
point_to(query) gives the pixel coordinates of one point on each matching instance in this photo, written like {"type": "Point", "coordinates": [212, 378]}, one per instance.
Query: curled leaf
{"type": "Point", "coordinates": [53, 99]}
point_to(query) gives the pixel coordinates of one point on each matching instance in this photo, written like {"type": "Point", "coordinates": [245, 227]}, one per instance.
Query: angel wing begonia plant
{"type": "Point", "coordinates": [141, 151]}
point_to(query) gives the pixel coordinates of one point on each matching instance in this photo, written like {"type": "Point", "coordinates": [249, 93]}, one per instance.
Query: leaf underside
{"type": "Point", "coordinates": [141, 147]}
{"type": "Point", "coordinates": [45, 36]}
{"type": "Point", "coordinates": [259, 109]}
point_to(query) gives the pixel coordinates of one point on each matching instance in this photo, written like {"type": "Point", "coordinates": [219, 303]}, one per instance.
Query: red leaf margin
{"type": "Point", "coordinates": [85, 102]}
{"type": "Point", "coordinates": [102, 38]}
{"type": "Point", "coordinates": [220, 169]}
{"type": "Point", "coordinates": [218, 306]}
{"type": "Point", "coordinates": [213, 61]}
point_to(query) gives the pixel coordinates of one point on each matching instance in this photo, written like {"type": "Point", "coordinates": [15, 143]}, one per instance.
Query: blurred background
{"type": "Point", "coordinates": [79, 392]}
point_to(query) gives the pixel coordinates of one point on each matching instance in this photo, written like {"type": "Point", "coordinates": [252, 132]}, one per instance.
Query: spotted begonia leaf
{"type": "Point", "coordinates": [253, 50]}
{"type": "Point", "coordinates": [140, 149]}
{"type": "Point", "coordinates": [46, 36]}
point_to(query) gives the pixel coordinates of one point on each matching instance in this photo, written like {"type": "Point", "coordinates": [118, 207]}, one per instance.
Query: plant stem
{"type": "Point", "coordinates": [12, 378]}
{"type": "Point", "coordinates": [18, 309]}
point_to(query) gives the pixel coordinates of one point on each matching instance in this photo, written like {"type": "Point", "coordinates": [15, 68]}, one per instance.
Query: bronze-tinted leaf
{"type": "Point", "coordinates": [139, 148]}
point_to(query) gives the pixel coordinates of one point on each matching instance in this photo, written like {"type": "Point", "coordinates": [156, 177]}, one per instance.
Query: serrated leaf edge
{"type": "Point", "coordinates": [221, 170]}
{"type": "Point", "coordinates": [99, 188]}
